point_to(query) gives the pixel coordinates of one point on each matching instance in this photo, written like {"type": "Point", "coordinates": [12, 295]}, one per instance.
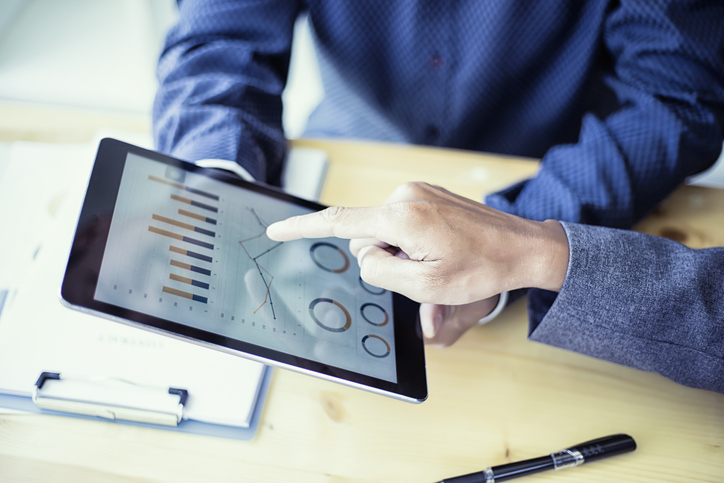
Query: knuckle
{"type": "Point", "coordinates": [402, 190]}
{"type": "Point", "coordinates": [333, 216]}
{"type": "Point", "coordinates": [412, 188]}
{"type": "Point", "coordinates": [333, 213]}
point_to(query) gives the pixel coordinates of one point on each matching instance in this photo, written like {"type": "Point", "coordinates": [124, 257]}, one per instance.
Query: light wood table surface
{"type": "Point", "coordinates": [494, 396]}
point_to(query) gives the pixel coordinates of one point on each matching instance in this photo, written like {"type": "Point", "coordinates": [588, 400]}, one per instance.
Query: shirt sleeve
{"type": "Point", "coordinates": [659, 119]}
{"type": "Point", "coordinates": [221, 74]}
{"type": "Point", "coordinates": [641, 301]}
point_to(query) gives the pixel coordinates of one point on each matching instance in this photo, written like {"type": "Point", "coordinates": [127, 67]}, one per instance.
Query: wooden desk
{"type": "Point", "coordinates": [494, 396]}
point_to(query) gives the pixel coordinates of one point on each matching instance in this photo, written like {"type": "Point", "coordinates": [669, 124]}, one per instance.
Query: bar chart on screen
{"type": "Point", "coordinates": [190, 249]}
{"type": "Point", "coordinates": [193, 250]}
{"type": "Point", "coordinates": [194, 280]}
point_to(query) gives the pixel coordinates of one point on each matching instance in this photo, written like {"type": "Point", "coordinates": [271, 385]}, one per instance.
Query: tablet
{"type": "Point", "coordinates": [180, 250]}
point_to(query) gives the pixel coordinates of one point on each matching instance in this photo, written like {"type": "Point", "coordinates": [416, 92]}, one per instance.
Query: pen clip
{"type": "Point", "coordinates": [567, 458]}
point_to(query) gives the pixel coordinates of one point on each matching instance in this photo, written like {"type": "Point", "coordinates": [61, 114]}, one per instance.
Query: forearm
{"type": "Point", "coordinates": [549, 258]}
{"type": "Point", "coordinates": [658, 120]}
{"type": "Point", "coordinates": [641, 301]}
{"type": "Point", "coordinates": [221, 76]}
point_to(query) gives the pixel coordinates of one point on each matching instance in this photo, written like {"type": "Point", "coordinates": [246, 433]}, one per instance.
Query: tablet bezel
{"type": "Point", "coordinates": [82, 272]}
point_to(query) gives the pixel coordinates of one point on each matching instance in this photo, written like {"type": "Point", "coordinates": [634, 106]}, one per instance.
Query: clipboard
{"type": "Point", "coordinates": [26, 404]}
{"type": "Point", "coordinates": [69, 166]}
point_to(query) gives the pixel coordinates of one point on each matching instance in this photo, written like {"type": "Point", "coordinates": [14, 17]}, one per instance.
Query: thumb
{"type": "Point", "coordinates": [382, 269]}
{"type": "Point", "coordinates": [431, 317]}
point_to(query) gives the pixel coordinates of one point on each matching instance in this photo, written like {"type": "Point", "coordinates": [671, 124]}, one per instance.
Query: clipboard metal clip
{"type": "Point", "coordinates": [76, 397]}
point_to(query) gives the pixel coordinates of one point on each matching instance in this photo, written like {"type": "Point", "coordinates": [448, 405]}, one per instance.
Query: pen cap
{"type": "Point", "coordinates": [613, 445]}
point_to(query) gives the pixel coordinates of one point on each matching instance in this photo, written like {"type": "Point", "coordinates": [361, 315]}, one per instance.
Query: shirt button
{"type": "Point", "coordinates": [435, 61]}
{"type": "Point", "coordinates": [432, 133]}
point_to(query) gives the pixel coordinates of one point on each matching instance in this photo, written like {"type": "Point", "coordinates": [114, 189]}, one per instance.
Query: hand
{"type": "Point", "coordinates": [436, 247]}
{"type": "Point", "coordinates": [442, 325]}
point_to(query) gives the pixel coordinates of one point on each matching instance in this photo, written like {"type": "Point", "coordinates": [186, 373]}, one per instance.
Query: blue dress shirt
{"type": "Point", "coordinates": [621, 100]}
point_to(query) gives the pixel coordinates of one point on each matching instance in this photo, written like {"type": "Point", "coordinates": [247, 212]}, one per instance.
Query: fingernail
{"type": "Point", "coordinates": [428, 329]}
{"type": "Point", "coordinates": [271, 229]}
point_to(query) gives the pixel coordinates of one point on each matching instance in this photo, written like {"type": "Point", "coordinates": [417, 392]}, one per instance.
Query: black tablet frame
{"type": "Point", "coordinates": [82, 272]}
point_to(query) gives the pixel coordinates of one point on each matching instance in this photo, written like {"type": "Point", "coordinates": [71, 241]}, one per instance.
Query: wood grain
{"type": "Point", "coordinates": [494, 396]}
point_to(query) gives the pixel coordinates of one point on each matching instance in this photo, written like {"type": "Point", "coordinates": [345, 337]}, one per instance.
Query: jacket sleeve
{"type": "Point", "coordinates": [659, 119]}
{"type": "Point", "coordinates": [641, 301]}
{"type": "Point", "coordinates": [221, 74]}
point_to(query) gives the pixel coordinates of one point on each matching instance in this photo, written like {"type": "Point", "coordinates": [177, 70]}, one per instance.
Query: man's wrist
{"type": "Point", "coordinates": [225, 165]}
{"type": "Point", "coordinates": [551, 257]}
{"type": "Point", "coordinates": [502, 302]}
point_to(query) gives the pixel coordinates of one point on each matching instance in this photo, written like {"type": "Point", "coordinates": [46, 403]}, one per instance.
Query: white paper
{"type": "Point", "coordinates": [304, 172]}
{"type": "Point", "coordinates": [32, 187]}
{"type": "Point", "coordinates": [11, 411]}
{"type": "Point", "coordinates": [38, 333]}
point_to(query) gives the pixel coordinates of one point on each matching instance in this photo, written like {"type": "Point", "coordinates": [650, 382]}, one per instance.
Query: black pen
{"type": "Point", "coordinates": [568, 458]}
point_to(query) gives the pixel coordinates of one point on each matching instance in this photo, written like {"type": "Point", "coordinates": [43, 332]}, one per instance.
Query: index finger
{"type": "Point", "coordinates": [336, 221]}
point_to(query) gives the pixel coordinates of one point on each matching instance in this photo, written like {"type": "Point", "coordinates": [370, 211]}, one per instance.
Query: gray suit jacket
{"type": "Point", "coordinates": [638, 300]}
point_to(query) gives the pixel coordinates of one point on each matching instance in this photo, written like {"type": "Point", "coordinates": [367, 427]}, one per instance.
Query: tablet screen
{"type": "Point", "coordinates": [170, 246]}
{"type": "Point", "coordinates": [189, 248]}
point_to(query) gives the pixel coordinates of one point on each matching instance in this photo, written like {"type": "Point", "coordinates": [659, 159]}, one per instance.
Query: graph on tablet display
{"type": "Point", "coordinates": [194, 250]}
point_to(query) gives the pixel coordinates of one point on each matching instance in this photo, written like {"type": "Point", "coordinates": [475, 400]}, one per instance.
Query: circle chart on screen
{"type": "Point", "coordinates": [374, 314]}
{"type": "Point", "coordinates": [336, 317]}
{"type": "Point", "coordinates": [376, 346]}
{"type": "Point", "coordinates": [371, 288]}
{"type": "Point", "coordinates": [329, 257]}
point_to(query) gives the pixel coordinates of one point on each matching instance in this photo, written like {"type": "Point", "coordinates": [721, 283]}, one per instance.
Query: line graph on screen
{"type": "Point", "coordinates": [255, 259]}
